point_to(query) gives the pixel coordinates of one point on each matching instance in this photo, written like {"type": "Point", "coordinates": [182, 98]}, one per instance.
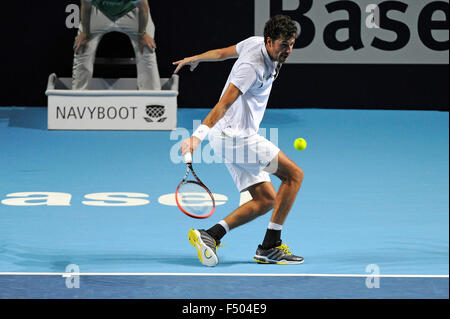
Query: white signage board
{"type": "Point", "coordinates": [364, 31]}
{"type": "Point", "coordinates": [111, 109]}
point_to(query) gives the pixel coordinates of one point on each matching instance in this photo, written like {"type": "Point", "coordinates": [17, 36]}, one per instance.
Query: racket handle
{"type": "Point", "coordinates": [188, 158]}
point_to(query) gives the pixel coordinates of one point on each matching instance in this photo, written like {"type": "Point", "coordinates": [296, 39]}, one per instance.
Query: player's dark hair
{"type": "Point", "coordinates": [280, 26]}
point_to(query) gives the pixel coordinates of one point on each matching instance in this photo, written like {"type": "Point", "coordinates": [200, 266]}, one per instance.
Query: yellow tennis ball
{"type": "Point", "coordinates": [300, 144]}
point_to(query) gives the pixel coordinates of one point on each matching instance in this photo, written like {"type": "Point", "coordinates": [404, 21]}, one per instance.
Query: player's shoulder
{"type": "Point", "coordinates": [254, 40]}
{"type": "Point", "coordinates": [250, 56]}
{"type": "Point", "coordinates": [249, 44]}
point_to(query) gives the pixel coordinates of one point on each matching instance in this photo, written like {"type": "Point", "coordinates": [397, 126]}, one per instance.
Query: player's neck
{"type": "Point", "coordinates": [269, 53]}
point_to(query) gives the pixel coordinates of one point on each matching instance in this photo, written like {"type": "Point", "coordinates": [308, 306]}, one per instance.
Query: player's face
{"type": "Point", "coordinates": [280, 49]}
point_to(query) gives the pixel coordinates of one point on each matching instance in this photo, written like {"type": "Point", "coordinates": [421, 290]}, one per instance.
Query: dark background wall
{"type": "Point", "coordinates": [36, 42]}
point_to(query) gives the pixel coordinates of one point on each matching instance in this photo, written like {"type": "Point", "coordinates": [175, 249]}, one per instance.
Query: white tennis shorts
{"type": "Point", "coordinates": [246, 158]}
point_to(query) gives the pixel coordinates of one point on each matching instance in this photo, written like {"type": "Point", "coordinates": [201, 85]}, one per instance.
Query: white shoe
{"type": "Point", "coordinates": [206, 247]}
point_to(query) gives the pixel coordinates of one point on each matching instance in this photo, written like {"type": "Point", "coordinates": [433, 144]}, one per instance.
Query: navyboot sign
{"type": "Point", "coordinates": [364, 31]}
{"type": "Point", "coordinates": [111, 104]}
{"type": "Point", "coordinates": [66, 112]}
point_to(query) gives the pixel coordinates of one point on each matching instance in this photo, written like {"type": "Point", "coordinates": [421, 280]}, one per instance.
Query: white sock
{"type": "Point", "coordinates": [224, 225]}
{"type": "Point", "coordinates": [274, 226]}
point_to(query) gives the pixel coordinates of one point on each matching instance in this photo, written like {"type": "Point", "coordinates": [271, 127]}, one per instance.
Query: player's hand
{"type": "Point", "coordinates": [192, 61]}
{"type": "Point", "coordinates": [189, 145]}
{"type": "Point", "coordinates": [81, 43]}
{"type": "Point", "coordinates": [147, 41]}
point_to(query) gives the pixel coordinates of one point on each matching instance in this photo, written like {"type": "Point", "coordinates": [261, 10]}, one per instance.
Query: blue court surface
{"type": "Point", "coordinates": [90, 214]}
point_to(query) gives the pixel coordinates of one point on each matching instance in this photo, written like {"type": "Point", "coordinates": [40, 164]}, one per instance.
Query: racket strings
{"type": "Point", "coordinates": [195, 199]}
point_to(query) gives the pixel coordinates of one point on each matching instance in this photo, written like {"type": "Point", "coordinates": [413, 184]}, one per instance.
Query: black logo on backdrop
{"type": "Point", "coordinates": [155, 113]}
{"type": "Point", "coordinates": [426, 24]}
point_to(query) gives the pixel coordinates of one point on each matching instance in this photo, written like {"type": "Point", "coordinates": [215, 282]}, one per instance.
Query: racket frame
{"type": "Point", "coordinates": [189, 168]}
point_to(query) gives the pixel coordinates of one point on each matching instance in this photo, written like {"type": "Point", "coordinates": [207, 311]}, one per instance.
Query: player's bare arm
{"type": "Point", "coordinates": [145, 39]}
{"type": "Point", "coordinates": [230, 95]}
{"type": "Point", "coordinates": [81, 41]}
{"type": "Point", "coordinates": [209, 56]}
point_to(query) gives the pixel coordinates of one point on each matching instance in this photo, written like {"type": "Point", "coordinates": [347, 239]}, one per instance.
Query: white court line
{"type": "Point", "coordinates": [68, 274]}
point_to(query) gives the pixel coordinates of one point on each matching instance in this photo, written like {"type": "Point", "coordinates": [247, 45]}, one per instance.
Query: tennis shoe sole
{"type": "Point", "coordinates": [206, 254]}
{"type": "Point", "coordinates": [265, 260]}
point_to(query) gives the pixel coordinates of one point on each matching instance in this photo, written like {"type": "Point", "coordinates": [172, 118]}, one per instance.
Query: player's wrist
{"type": "Point", "coordinates": [201, 132]}
{"type": "Point", "coordinates": [142, 34]}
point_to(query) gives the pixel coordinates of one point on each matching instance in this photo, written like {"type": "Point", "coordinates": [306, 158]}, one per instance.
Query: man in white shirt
{"type": "Point", "coordinates": [232, 128]}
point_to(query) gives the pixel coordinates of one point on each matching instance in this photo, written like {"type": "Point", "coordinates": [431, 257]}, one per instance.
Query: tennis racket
{"type": "Point", "coordinates": [192, 196]}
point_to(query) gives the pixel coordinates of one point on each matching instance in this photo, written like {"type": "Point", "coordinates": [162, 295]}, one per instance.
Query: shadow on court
{"type": "Point", "coordinates": [34, 118]}
{"type": "Point", "coordinates": [29, 257]}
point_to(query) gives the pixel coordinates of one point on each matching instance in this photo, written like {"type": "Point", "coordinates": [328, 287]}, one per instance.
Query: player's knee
{"type": "Point", "coordinates": [297, 175]}
{"type": "Point", "coordinates": [301, 174]}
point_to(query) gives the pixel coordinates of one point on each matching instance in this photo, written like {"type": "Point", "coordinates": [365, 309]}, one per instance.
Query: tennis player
{"type": "Point", "coordinates": [232, 128]}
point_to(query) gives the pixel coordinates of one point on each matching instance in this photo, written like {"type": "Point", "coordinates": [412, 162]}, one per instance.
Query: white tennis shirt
{"type": "Point", "coordinates": [253, 74]}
